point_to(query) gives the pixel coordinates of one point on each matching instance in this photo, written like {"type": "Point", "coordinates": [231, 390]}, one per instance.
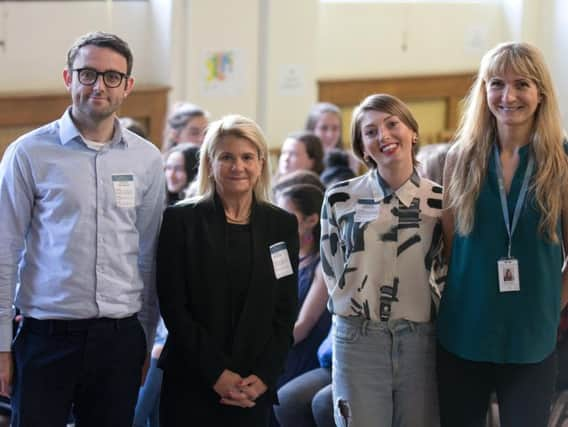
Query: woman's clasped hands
{"type": "Point", "coordinates": [237, 391]}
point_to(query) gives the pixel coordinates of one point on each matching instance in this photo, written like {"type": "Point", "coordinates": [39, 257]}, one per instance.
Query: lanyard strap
{"type": "Point", "coordinates": [520, 200]}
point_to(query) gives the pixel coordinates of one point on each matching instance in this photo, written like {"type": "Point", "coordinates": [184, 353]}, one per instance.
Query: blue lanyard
{"type": "Point", "coordinates": [520, 199]}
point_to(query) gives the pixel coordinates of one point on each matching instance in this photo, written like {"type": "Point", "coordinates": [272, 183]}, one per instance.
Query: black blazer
{"type": "Point", "coordinates": [193, 282]}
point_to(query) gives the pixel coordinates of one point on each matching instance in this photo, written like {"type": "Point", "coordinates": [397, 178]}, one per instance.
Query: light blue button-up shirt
{"type": "Point", "coordinates": [77, 248]}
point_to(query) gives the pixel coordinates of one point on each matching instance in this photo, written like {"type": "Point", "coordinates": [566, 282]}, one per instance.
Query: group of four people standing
{"type": "Point", "coordinates": [81, 201]}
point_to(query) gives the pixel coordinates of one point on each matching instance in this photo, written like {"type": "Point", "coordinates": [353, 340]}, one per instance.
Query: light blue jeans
{"type": "Point", "coordinates": [384, 373]}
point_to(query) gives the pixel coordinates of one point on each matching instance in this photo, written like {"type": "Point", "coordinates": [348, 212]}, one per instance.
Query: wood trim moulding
{"type": "Point", "coordinates": [32, 109]}
{"type": "Point", "coordinates": [450, 87]}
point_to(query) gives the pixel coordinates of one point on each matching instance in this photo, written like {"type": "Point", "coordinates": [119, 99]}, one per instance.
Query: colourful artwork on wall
{"type": "Point", "coordinates": [222, 72]}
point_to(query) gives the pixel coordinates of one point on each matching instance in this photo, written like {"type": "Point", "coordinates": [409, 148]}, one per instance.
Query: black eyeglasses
{"type": "Point", "coordinates": [88, 77]}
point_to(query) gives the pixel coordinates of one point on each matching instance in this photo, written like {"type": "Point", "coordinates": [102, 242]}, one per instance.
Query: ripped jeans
{"type": "Point", "coordinates": [384, 373]}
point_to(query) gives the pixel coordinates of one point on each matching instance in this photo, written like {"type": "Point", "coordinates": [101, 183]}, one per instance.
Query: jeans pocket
{"type": "Point", "coordinates": [346, 333]}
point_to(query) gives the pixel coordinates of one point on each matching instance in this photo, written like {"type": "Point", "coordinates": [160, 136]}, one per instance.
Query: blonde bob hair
{"type": "Point", "coordinates": [478, 132]}
{"type": "Point", "coordinates": [385, 104]}
{"type": "Point", "coordinates": [240, 127]}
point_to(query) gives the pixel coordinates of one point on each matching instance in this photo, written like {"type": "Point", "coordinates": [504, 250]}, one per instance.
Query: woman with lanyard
{"type": "Point", "coordinates": [502, 228]}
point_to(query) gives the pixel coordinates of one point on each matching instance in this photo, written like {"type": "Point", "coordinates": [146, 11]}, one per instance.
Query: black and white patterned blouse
{"type": "Point", "coordinates": [380, 248]}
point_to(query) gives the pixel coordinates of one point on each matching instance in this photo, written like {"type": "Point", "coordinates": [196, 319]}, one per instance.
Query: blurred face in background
{"type": "Point", "coordinates": [176, 176]}
{"type": "Point", "coordinates": [293, 157]}
{"type": "Point", "coordinates": [194, 131]}
{"type": "Point", "coordinates": [306, 223]}
{"type": "Point", "coordinates": [328, 129]}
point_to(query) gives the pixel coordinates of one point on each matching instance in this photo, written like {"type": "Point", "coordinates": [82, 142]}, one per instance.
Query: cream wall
{"type": "Point", "coordinates": [219, 26]}
{"type": "Point", "coordinates": [37, 36]}
{"type": "Point", "coordinates": [398, 39]}
{"type": "Point", "coordinates": [554, 22]}
{"type": "Point", "coordinates": [289, 87]}
{"type": "Point", "coordinates": [316, 40]}
{"type": "Point", "coordinates": [272, 36]}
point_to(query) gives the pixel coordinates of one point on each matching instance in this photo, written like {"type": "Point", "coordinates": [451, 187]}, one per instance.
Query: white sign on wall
{"type": "Point", "coordinates": [291, 80]}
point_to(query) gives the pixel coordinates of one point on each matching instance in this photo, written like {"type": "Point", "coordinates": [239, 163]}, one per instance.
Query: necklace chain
{"type": "Point", "coordinates": [237, 220]}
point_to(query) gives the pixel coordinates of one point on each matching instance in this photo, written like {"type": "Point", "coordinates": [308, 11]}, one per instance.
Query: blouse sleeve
{"type": "Point", "coordinates": [331, 249]}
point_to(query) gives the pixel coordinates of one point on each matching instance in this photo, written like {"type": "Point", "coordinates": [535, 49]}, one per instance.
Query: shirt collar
{"type": "Point", "coordinates": [406, 193]}
{"type": "Point", "coordinates": [68, 131]}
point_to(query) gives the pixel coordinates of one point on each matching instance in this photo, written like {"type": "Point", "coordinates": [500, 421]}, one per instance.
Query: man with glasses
{"type": "Point", "coordinates": [80, 208]}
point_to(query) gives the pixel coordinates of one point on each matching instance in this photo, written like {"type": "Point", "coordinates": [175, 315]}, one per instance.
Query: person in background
{"type": "Point", "coordinates": [324, 119]}
{"type": "Point", "coordinates": [296, 177]}
{"type": "Point", "coordinates": [227, 284]}
{"type": "Point", "coordinates": [336, 167]}
{"type": "Point", "coordinates": [81, 202]}
{"type": "Point", "coordinates": [307, 400]}
{"type": "Point", "coordinates": [134, 126]}
{"type": "Point", "coordinates": [505, 208]}
{"type": "Point", "coordinates": [300, 151]}
{"type": "Point", "coordinates": [314, 321]}
{"type": "Point", "coordinates": [187, 123]}
{"type": "Point", "coordinates": [181, 165]}
{"type": "Point", "coordinates": [381, 242]}
{"type": "Point", "coordinates": [431, 159]}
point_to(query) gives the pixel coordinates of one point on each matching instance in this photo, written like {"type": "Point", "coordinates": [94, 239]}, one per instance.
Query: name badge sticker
{"type": "Point", "coordinates": [366, 212]}
{"type": "Point", "coordinates": [124, 191]}
{"type": "Point", "coordinates": [280, 260]}
{"type": "Point", "coordinates": [508, 269]}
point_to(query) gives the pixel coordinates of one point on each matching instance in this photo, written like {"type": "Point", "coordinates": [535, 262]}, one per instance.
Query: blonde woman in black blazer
{"type": "Point", "coordinates": [227, 279]}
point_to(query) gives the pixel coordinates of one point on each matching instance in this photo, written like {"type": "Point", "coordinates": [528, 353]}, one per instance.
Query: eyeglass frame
{"type": "Point", "coordinates": [123, 76]}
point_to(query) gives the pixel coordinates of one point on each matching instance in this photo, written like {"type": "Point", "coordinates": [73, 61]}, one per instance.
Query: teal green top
{"type": "Point", "coordinates": [477, 322]}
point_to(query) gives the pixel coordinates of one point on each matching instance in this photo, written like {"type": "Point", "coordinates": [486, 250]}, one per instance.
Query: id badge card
{"type": "Point", "coordinates": [366, 212]}
{"type": "Point", "coordinates": [508, 269]}
{"type": "Point", "coordinates": [280, 260]}
{"type": "Point", "coordinates": [124, 191]}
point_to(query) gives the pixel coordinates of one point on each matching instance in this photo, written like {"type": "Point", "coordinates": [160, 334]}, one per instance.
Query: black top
{"type": "Point", "coordinates": [239, 263]}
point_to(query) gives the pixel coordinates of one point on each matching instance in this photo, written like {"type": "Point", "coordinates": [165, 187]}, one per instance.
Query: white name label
{"type": "Point", "coordinates": [280, 260]}
{"type": "Point", "coordinates": [124, 193]}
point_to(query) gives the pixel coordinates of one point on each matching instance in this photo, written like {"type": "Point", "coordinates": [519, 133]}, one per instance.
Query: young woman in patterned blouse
{"type": "Point", "coordinates": [381, 238]}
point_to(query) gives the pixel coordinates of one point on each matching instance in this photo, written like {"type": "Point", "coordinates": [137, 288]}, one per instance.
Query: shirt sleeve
{"type": "Point", "coordinates": [148, 222]}
{"type": "Point", "coordinates": [331, 250]}
{"type": "Point", "coordinates": [16, 204]}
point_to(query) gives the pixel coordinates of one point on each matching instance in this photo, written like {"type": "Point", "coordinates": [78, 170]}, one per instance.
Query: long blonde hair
{"type": "Point", "coordinates": [240, 127]}
{"type": "Point", "coordinates": [478, 132]}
